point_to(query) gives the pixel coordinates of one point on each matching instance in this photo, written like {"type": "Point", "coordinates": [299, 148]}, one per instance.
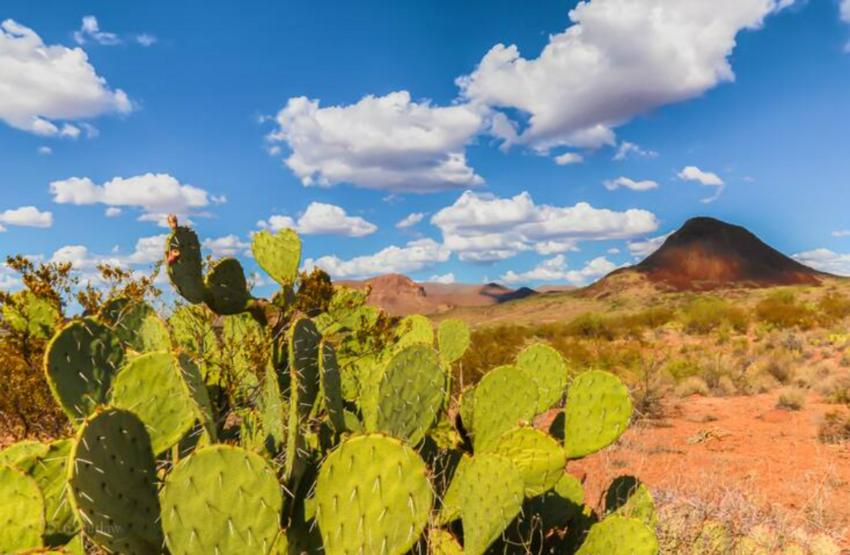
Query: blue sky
{"type": "Point", "coordinates": [527, 143]}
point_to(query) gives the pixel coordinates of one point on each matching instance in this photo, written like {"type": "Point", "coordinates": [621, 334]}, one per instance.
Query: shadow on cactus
{"type": "Point", "coordinates": [309, 422]}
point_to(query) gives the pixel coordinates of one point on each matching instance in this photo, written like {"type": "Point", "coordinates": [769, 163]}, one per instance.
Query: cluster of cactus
{"type": "Point", "coordinates": [339, 443]}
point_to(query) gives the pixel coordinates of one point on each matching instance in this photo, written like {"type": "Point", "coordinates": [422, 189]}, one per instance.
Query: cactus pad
{"type": "Point", "coordinates": [227, 289]}
{"type": "Point", "coordinates": [152, 387]}
{"type": "Point", "coordinates": [414, 329]}
{"type": "Point", "coordinates": [304, 340]}
{"type": "Point", "coordinates": [331, 386]}
{"type": "Point", "coordinates": [538, 457]}
{"type": "Point", "coordinates": [557, 507]}
{"type": "Point", "coordinates": [410, 394]}
{"type": "Point", "coordinates": [618, 535]}
{"type": "Point", "coordinates": [29, 314]}
{"type": "Point", "coordinates": [598, 411]}
{"type": "Point", "coordinates": [442, 542]}
{"type": "Point", "coordinates": [627, 496]}
{"type": "Point", "coordinates": [21, 512]}
{"type": "Point", "coordinates": [504, 399]}
{"type": "Point", "coordinates": [20, 450]}
{"type": "Point", "coordinates": [50, 471]}
{"type": "Point", "coordinates": [81, 363]}
{"type": "Point", "coordinates": [112, 480]}
{"type": "Point", "coordinates": [185, 265]}
{"type": "Point", "coordinates": [348, 308]}
{"type": "Point", "coordinates": [372, 496]}
{"type": "Point", "coordinates": [490, 496]}
{"type": "Point", "coordinates": [273, 413]}
{"type": "Point", "coordinates": [198, 393]}
{"type": "Point", "coordinates": [278, 255]}
{"type": "Point", "coordinates": [548, 370]}
{"type": "Point", "coordinates": [454, 340]}
{"type": "Point", "coordinates": [136, 324]}
{"type": "Point", "coordinates": [223, 500]}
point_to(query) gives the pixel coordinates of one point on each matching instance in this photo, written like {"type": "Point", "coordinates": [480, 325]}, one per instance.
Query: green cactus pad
{"type": "Point", "coordinates": [112, 479]}
{"type": "Point", "coordinates": [490, 496]}
{"type": "Point", "coordinates": [21, 511]}
{"type": "Point", "coordinates": [227, 289]}
{"type": "Point", "coordinates": [454, 340]}
{"type": "Point", "coordinates": [467, 407]}
{"type": "Point", "coordinates": [504, 399]}
{"type": "Point", "coordinates": [618, 535]}
{"type": "Point", "coordinates": [152, 387]}
{"type": "Point", "coordinates": [410, 394]}
{"type": "Point", "coordinates": [136, 324]}
{"type": "Point", "coordinates": [538, 457]}
{"type": "Point", "coordinates": [185, 265]}
{"type": "Point", "coordinates": [598, 411]}
{"type": "Point", "coordinates": [50, 471]}
{"type": "Point", "coordinates": [273, 413]}
{"type": "Point", "coordinates": [372, 496]}
{"type": "Point", "coordinates": [548, 370]}
{"type": "Point", "coordinates": [331, 386]}
{"type": "Point", "coordinates": [348, 309]}
{"type": "Point", "coordinates": [81, 362]}
{"type": "Point", "coordinates": [20, 450]}
{"type": "Point", "coordinates": [198, 393]}
{"type": "Point", "coordinates": [442, 542]}
{"type": "Point", "coordinates": [627, 496]}
{"type": "Point", "coordinates": [450, 509]}
{"type": "Point", "coordinates": [304, 340]}
{"type": "Point", "coordinates": [29, 314]}
{"type": "Point", "coordinates": [279, 255]}
{"type": "Point", "coordinates": [559, 506]}
{"type": "Point", "coordinates": [223, 500]}
{"type": "Point", "coordinates": [412, 330]}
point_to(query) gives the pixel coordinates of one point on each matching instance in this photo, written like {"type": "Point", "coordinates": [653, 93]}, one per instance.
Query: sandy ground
{"type": "Point", "coordinates": [711, 448]}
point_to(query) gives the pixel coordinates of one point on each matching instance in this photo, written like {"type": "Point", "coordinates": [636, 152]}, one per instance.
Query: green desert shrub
{"type": "Point", "coordinates": [791, 398]}
{"type": "Point", "coordinates": [783, 310]}
{"type": "Point", "coordinates": [705, 315]}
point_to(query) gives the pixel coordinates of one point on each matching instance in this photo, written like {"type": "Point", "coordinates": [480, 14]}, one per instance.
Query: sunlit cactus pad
{"type": "Point", "coordinates": [21, 511]}
{"type": "Point", "coordinates": [618, 535]}
{"type": "Point", "coordinates": [503, 399]}
{"type": "Point", "coordinates": [226, 287]}
{"type": "Point", "coordinates": [598, 411]}
{"type": "Point", "coordinates": [538, 457]}
{"type": "Point", "coordinates": [278, 255]}
{"type": "Point", "coordinates": [185, 265]}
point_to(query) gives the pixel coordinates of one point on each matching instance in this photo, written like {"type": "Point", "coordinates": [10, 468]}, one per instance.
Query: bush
{"type": "Point", "coordinates": [835, 427]}
{"type": "Point", "coordinates": [783, 311]}
{"type": "Point", "coordinates": [834, 306]}
{"type": "Point", "coordinates": [707, 314]}
{"type": "Point", "coordinates": [692, 386]}
{"type": "Point", "coordinates": [591, 326]}
{"type": "Point", "coordinates": [791, 398]}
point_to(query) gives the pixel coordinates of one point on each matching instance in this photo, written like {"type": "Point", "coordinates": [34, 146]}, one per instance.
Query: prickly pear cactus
{"type": "Point", "coordinates": [331, 386]}
{"type": "Point", "coordinates": [414, 329]}
{"type": "Point", "coordinates": [598, 411]}
{"type": "Point", "coordinates": [185, 264]}
{"type": "Point", "coordinates": [490, 495]}
{"type": "Point", "coordinates": [226, 288]}
{"type": "Point", "coordinates": [29, 314]}
{"type": "Point", "coordinates": [304, 341]}
{"type": "Point", "coordinates": [81, 362]}
{"type": "Point", "coordinates": [152, 387]}
{"type": "Point", "coordinates": [273, 413]}
{"type": "Point", "coordinates": [50, 471]}
{"type": "Point", "coordinates": [504, 399]}
{"type": "Point", "coordinates": [410, 394]}
{"type": "Point", "coordinates": [442, 542]}
{"type": "Point", "coordinates": [559, 506]}
{"type": "Point", "coordinates": [112, 479]}
{"type": "Point", "coordinates": [548, 370]}
{"type": "Point", "coordinates": [22, 449]}
{"type": "Point", "coordinates": [454, 340]}
{"type": "Point", "coordinates": [618, 535]}
{"type": "Point", "coordinates": [198, 393]}
{"type": "Point", "coordinates": [136, 324]}
{"type": "Point", "coordinates": [349, 310]}
{"type": "Point", "coordinates": [538, 457]}
{"type": "Point", "coordinates": [278, 255]}
{"type": "Point", "coordinates": [21, 512]}
{"type": "Point", "coordinates": [372, 496]}
{"type": "Point", "coordinates": [223, 500]}
{"type": "Point", "coordinates": [627, 496]}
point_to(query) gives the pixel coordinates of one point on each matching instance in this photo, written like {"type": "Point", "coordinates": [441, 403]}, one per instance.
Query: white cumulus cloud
{"type": "Point", "coordinates": [618, 59]}
{"type": "Point", "coordinates": [486, 228]}
{"type": "Point", "coordinates": [228, 245]}
{"type": "Point", "coordinates": [410, 220]}
{"type": "Point", "coordinates": [627, 150]}
{"type": "Point", "coordinates": [445, 279]}
{"type": "Point", "coordinates": [389, 143]}
{"type": "Point", "coordinates": [157, 195]}
{"type": "Point", "coordinates": [642, 249]}
{"type": "Point", "coordinates": [26, 216]}
{"type": "Point", "coordinates": [569, 158]}
{"type": "Point", "coordinates": [45, 84]}
{"type": "Point", "coordinates": [707, 179]}
{"type": "Point", "coordinates": [415, 256]}
{"type": "Point", "coordinates": [322, 219]}
{"type": "Point", "coordinates": [825, 260]}
{"type": "Point", "coordinates": [627, 183]}
{"type": "Point", "coordinates": [557, 269]}
{"type": "Point", "coordinates": [90, 31]}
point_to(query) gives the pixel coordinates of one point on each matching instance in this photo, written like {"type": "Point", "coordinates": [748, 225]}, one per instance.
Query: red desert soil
{"type": "Point", "coordinates": [708, 447]}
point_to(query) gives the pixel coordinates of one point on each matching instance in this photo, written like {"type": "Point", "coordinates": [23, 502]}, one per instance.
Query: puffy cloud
{"type": "Point", "coordinates": [90, 31]}
{"type": "Point", "coordinates": [146, 40]}
{"type": "Point", "coordinates": [9, 280]}
{"type": "Point", "coordinates": [149, 250]}
{"type": "Point", "coordinates": [157, 195]}
{"type": "Point", "coordinates": [547, 248]}
{"type": "Point", "coordinates": [486, 228]}
{"type": "Point", "coordinates": [113, 212]}
{"type": "Point", "coordinates": [618, 59]}
{"type": "Point", "coordinates": [825, 260]}
{"type": "Point", "coordinates": [569, 159]}
{"type": "Point", "coordinates": [323, 219]}
{"type": "Point", "coordinates": [556, 269]}
{"type": "Point", "coordinates": [26, 216]}
{"type": "Point", "coordinates": [707, 179]}
{"type": "Point", "coordinates": [642, 249]}
{"type": "Point", "coordinates": [627, 149]}
{"type": "Point", "coordinates": [625, 182]}
{"type": "Point", "coordinates": [415, 256]}
{"type": "Point", "coordinates": [42, 84]}
{"type": "Point", "coordinates": [229, 245]}
{"type": "Point", "coordinates": [845, 11]}
{"type": "Point", "coordinates": [445, 279]}
{"type": "Point", "coordinates": [82, 260]}
{"type": "Point", "coordinates": [389, 143]}
{"type": "Point", "coordinates": [410, 220]}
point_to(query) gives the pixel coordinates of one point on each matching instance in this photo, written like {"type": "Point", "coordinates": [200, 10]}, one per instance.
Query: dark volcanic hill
{"type": "Point", "coordinates": [708, 254]}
